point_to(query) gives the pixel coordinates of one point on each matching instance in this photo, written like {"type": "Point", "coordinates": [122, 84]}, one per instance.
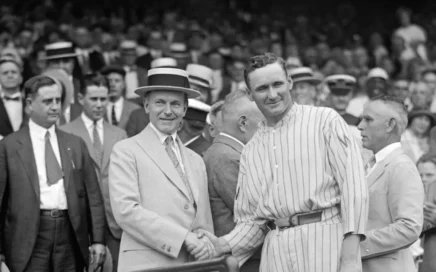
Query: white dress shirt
{"type": "Point", "coordinates": [231, 137]}
{"type": "Point", "coordinates": [51, 197]}
{"type": "Point", "coordinates": [14, 110]}
{"type": "Point", "coordinates": [382, 154]}
{"type": "Point", "coordinates": [89, 124]}
{"type": "Point", "coordinates": [131, 82]}
{"type": "Point", "coordinates": [162, 137]}
{"type": "Point", "coordinates": [118, 109]}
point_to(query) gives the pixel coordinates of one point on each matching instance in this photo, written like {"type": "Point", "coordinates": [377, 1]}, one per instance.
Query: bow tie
{"type": "Point", "coordinates": [8, 98]}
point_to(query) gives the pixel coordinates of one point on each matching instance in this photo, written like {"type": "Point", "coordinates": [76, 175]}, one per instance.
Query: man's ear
{"type": "Point", "coordinates": [291, 83]}
{"type": "Point", "coordinates": [242, 123]}
{"type": "Point", "coordinates": [81, 97]}
{"type": "Point", "coordinates": [391, 124]}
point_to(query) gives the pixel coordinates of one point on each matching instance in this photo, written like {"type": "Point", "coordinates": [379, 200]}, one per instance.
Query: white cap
{"type": "Point", "coordinates": [378, 73]}
{"type": "Point", "coordinates": [200, 75]}
{"type": "Point", "coordinates": [128, 44]}
{"type": "Point", "coordinates": [163, 62]}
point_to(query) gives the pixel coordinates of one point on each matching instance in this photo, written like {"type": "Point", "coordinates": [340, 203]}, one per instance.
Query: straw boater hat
{"type": "Point", "coordinates": [340, 84]}
{"type": "Point", "coordinates": [197, 110]}
{"type": "Point", "coordinates": [163, 62]}
{"type": "Point", "coordinates": [200, 75]}
{"type": "Point", "coordinates": [178, 50]}
{"type": "Point", "coordinates": [303, 74]}
{"type": "Point", "coordinates": [67, 85]}
{"type": "Point", "coordinates": [59, 50]}
{"type": "Point", "coordinates": [168, 79]}
{"type": "Point", "coordinates": [378, 72]}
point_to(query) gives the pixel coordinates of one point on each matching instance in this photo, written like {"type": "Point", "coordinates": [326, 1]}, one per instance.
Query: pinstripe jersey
{"type": "Point", "coordinates": [307, 161]}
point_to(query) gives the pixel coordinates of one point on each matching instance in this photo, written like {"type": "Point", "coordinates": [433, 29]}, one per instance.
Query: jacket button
{"type": "Point", "coordinates": [186, 207]}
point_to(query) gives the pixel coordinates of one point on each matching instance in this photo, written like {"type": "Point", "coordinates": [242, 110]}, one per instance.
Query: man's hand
{"type": "Point", "coordinates": [350, 258]}
{"type": "Point", "coordinates": [350, 266]}
{"type": "Point", "coordinates": [220, 244]}
{"type": "Point", "coordinates": [201, 248]}
{"type": "Point", "coordinates": [430, 212]}
{"type": "Point", "coordinates": [97, 254]}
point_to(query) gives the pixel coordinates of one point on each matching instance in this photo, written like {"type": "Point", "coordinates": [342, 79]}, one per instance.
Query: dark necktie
{"type": "Point", "coordinates": [98, 147]}
{"type": "Point", "coordinates": [16, 99]}
{"type": "Point", "coordinates": [52, 167]}
{"type": "Point", "coordinates": [114, 116]}
{"type": "Point", "coordinates": [169, 143]}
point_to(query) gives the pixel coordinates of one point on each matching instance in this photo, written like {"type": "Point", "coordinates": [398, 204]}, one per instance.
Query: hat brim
{"type": "Point", "coordinates": [200, 84]}
{"type": "Point", "coordinates": [189, 92]}
{"type": "Point", "coordinates": [413, 115]}
{"type": "Point", "coordinates": [311, 80]}
{"type": "Point", "coordinates": [63, 56]}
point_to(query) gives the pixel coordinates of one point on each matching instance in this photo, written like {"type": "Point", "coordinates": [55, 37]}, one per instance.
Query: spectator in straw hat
{"type": "Point", "coordinates": [155, 43]}
{"type": "Point", "coordinates": [164, 62]}
{"type": "Point", "coordinates": [145, 169]}
{"type": "Point", "coordinates": [200, 78]}
{"type": "Point", "coordinates": [304, 89]}
{"type": "Point", "coordinates": [180, 52]}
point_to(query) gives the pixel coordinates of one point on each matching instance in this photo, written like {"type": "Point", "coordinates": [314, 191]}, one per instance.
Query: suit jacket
{"type": "Point", "coordinates": [396, 199]}
{"type": "Point", "coordinates": [199, 145]}
{"type": "Point", "coordinates": [5, 123]}
{"type": "Point", "coordinates": [128, 108]}
{"type": "Point", "coordinates": [138, 120]}
{"type": "Point", "coordinates": [111, 135]}
{"type": "Point", "coordinates": [20, 196]}
{"type": "Point", "coordinates": [151, 204]}
{"type": "Point", "coordinates": [429, 234]}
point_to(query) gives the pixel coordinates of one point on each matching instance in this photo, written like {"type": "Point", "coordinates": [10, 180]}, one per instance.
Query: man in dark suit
{"type": "Point", "coordinates": [89, 126]}
{"type": "Point", "coordinates": [118, 109]}
{"type": "Point", "coordinates": [52, 213]}
{"type": "Point", "coordinates": [192, 129]}
{"type": "Point", "coordinates": [240, 119]}
{"type": "Point", "coordinates": [138, 120]}
{"type": "Point", "coordinates": [12, 108]}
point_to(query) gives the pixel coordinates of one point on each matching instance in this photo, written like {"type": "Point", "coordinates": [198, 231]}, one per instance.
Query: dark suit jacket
{"type": "Point", "coordinates": [200, 145]}
{"type": "Point", "coordinates": [138, 120]}
{"type": "Point", "coordinates": [222, 166]}
{"type": "Point", "coordinates": [5, 123]}
{"type": "Point", "coordinates": [227, 88]}
{"type": "Point", "coordinates": [20, 196]}
{"type": "Point", "coordinates": [128, 108]}
{"type": "Point", "coordinates": [111, 135]}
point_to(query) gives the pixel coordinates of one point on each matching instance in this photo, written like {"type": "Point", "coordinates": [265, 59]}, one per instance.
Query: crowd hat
{"type": "Point", "coordinates": [340, 84]}
{"type": "Point", "coordinates": [200, 75]}
{"type": "Point", "coordinates": [303, 74]}
{"type": "Point", "coordinates": [59, 50]}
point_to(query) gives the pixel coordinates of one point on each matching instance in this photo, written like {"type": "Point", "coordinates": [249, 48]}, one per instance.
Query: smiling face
{"type": "Point", "coordinates": [269, 88]}
{"type": "Point", "coordinates": [166, 110]}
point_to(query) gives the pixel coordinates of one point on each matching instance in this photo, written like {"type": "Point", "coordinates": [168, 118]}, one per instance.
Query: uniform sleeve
{"type": "Point", "coordinates": [250, 231]}
{"type": "Point", "coordinates": [345, 160]}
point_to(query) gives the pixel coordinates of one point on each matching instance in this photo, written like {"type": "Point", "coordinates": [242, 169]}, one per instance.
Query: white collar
{"type": "Point", "coordinates": [118, 103]}
{"type": "Point", "coordinates": [39, 131]}
{"type": "Point", "coordinates": [231, 137]}
{"type": "Point", "coordinates": [89, 123]}
{"type": "Point", "coordinates": [16, 94]}
{"type": "Point", "coordinates": [162, 136]}
{"type": "Point", "coordinates": [382, 154]}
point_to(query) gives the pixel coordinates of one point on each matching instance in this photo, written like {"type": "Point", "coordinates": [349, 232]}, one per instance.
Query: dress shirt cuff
{"type": "Point", "coordinates": [361, 235]}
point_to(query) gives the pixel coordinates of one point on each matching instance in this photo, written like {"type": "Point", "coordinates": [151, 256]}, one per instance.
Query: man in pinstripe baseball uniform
{"type": "Point", "coordinates": [301, 188]}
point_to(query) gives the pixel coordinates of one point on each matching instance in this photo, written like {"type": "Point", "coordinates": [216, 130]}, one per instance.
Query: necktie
{"type": "Point", "coordinates": [98, 147]}
{"type": "Point", "coordinates": [114, 116]}
{"type": "Point", "coordinates": [16, 99]}
{"type": "Point", "coordinates": [52, 167]}
{"type": "Point", "coordinates": [369, 165]}
{"type": "Point", "coordinates": [169, 143]}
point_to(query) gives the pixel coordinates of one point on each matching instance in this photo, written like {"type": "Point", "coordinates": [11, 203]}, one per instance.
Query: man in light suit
{"type": "Point", "coordinates": [89, 125]}
{"type": "Point", "coordinates": [240, 120]}
{"type": "Point", "coordinates": [118, 109]}
{"type": "Point", "coordinates": [158, 187]}
{"type": "Point", "coordinates": [396, 192]}
{"type": "Point", "coordinates": [52, 214]}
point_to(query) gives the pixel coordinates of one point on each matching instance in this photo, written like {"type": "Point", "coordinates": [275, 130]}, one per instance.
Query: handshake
{"type": "Point", "coordinates": [203, 245]}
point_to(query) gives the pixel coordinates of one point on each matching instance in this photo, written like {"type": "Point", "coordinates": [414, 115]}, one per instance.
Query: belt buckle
{"type": "Point", "coordinates": [55, 213]}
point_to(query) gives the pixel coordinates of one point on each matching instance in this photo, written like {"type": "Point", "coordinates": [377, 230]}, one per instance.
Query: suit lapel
{"type": "Point", "coordinates": [27, 157]}
{"type": "Point", "coordinates": [150, 144]}
{"type": "Point", "coordinates": [66, 157]}
{"type": "Point", "coordinates": [378, 171]}
{"type": "Point", "coordinates": [81, 130]}
{"type": "Point", "coordinates": [124, 114]}
{"type": "Point", "coordinates": [230, 142]}
{"type": "Point", "coordinates": [190, 175]}
{"type": "Point", "coordinates": [107, 144]}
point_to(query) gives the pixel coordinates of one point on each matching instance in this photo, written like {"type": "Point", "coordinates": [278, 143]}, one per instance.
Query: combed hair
{"type": "Point", "coordinates": [32, 85]}
{"type": "Point", "coordinates": [94, 79]}
{"type": "Point", "coordinates": [428, 157]}
{"type": "Point", "coordinates": [399, 107]}
{"type": "Point", "coordinates": [260, 61]}
{"type": "Point", "coordinates": [232, 102]}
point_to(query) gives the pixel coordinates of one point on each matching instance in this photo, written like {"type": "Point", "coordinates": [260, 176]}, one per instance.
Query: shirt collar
{"type": "Point", "coordinates": [383, 153]}
{"type": "Point", "coordinates": [117, 103]}
{"type": "Point", "coordinates": [231, 137]}
{"type": "Point", "coordinates": [17, 94]}
{"type": "Point", "coordinates": [89, 123]}
{"type": "Point", "coordinates": [39, 131]}
{"type": "Point", "coordinates": [295, 109]}
{"type": "Point", "coordinates": [162, 136]}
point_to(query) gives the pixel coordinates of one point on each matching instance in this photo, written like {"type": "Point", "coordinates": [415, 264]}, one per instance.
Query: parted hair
{"type": "Point", "coordinates": [260, 61]}
{"type": "Point", "coordinates": [399, 107]}
{"type": "Point", "coordinates": [428, 157]}
{"type": "Point", "coordinates": [32, 85]}
{"type": "Point", "coordinates": [94, 79]}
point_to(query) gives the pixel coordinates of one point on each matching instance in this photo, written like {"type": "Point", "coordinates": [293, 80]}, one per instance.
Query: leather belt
{"type": "Point", "coordinates": [54, 213]}
{"type": "Point", "coordinates": [295, 220]}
